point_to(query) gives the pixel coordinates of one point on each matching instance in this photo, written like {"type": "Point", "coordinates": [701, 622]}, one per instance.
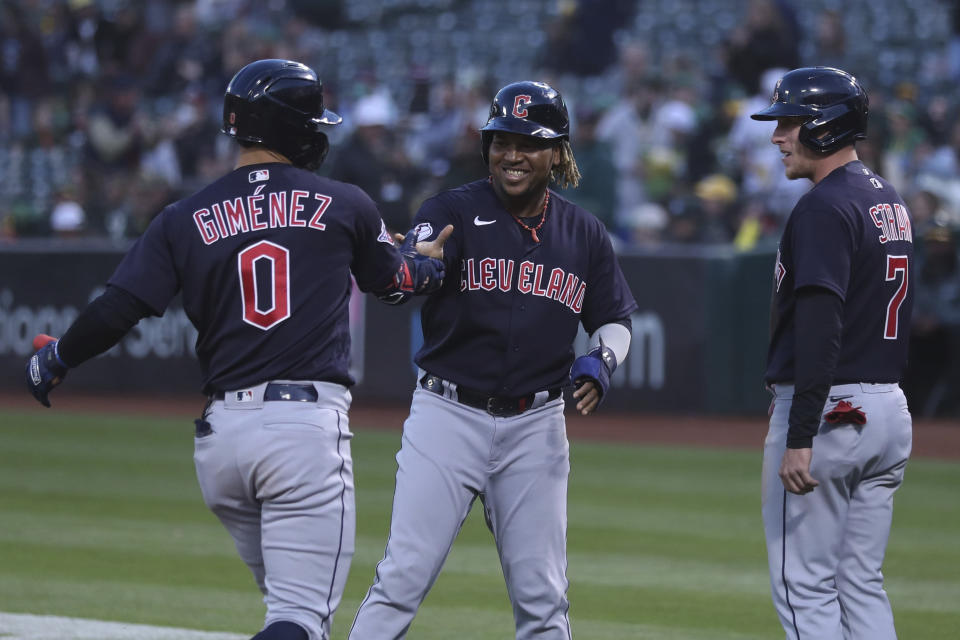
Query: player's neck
{"type": "Point", "coordinates": [826, 166]}
{"type": "Point", "coordinates": [259, 155]}
{"type": "Point", "coordinates": [523, 206]}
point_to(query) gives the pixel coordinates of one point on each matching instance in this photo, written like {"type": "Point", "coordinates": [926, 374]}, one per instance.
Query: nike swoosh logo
{"type": "Point", "coordinates": [477, 221]}
{"type": "Point", "coordinates": [837, 398]}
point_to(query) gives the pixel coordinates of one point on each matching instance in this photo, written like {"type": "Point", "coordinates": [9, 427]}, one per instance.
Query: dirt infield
{"type": "Point", "coordinates": [931, 438]}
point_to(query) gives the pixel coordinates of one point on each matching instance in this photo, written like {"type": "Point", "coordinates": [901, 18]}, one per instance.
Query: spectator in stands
{"type": "Point", "coordinates": [116, 125]}
{"type": "Point", "coordinates": [23, 67]}
{"type": "Point", "coordinates": [473, 101]}
{"type": "Point", "coordinates": [597, 189]}
{"type": "Point", "coordinates": [643, 227]}
{"type": "Point", "coordinates": [953, 46]}
{"type": "Point", "coordinates": [926, 211]}
{"type": "Point", "coordinates": [67, 219]}
{"type": "Point", "coordinates": [436, 117]}
{"type": "Point", "coordinates": [767, 37]}
{"type": "Point", "coordinates": [120, 41]}
{"type": "Point", "coordinates": [60, 58]}
{"type": "Point", "coordinates": [829, 41]}
{"type": "Point", "coordinates": [905, 137]}
{"type": "Point", "coordinates": [182, 56]}
{"type": "Point", "coordinates": [939, 173]}
{"type": "Point", "coordinates": [82, 57]}
{"type": "Point", "coordinates": [632, 69]}
{"type": "Point", "coordinates": [374, 160]}
{"type": "Point", "coordinates": [933, 374]}
{"type": "Point", "coordinates": [716, 199]}
{"type": "Point", "coordinates": [580, 39]}
{"type": "Point", "coordinates": [626, 126]}
{"type": "Point", "coordinates": [757, 227]}
{"type": "Point", "coordinates": [674, 118]}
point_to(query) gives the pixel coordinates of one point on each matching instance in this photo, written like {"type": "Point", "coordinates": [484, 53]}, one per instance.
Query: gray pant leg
{"type": "Point", "coordinates": [308, 523]}
{"type": "Point", "coordinates": [225, 494]}
{"type": "Point", "coordinates": [440, 467]}
{"type": "Point", "coordinates": [867, 614]}
{"type": "Point", "coordinates": [804, 536]}
{"type": "Point", "coordinates": [296, 529]}
{"type": "Point", "coordinates": [526, 505]}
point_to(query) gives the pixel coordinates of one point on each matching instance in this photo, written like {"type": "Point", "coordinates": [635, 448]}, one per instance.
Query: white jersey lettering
{"type": "Point", "coordinates": [208, 231]}
{"type": "Point", "coordinates": [278, 209]}
{"type": "Point", "coordinates": [236, 216]}
{"type": "Point", "coordinates": [259, 211]}
{"type": "Point", "coordinates": [488, 274]}
{"type": "Point", "coordinates": [253, 206]}
{"type": "Point", "coordinates": [505, 273]}
{"type": "Point", "coordinates": [892, 221]}
{"type": "Point", "coordinates": [296, 207]}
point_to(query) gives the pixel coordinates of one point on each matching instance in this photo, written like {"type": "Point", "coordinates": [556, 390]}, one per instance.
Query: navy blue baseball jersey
{"type": "Point", "coordinates": [263, 257]}
{"type": "Point", "coordinates": [517, 298]}
{"type": "Point", "coordinates": [851, 234]}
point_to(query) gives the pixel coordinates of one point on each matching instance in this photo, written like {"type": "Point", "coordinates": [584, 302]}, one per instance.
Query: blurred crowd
{"type": "Point", "coordinates": [110, 109]}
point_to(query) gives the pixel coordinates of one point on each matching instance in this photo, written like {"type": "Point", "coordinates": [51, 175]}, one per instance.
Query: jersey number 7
{"type": "Point", "coordinates": [897, 267]}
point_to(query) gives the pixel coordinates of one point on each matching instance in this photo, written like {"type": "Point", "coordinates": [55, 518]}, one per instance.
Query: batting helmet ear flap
{"type": "Point", "coordinates": [830, 129]}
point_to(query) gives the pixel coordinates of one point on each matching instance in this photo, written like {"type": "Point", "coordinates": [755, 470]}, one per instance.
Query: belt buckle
{"type": "Point", "coordinates": [500, 408]}
{"type": "Point", "coordinates": [432, 383]}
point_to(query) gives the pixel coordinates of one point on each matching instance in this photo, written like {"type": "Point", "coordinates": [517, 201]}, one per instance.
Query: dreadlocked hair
{"type": "Point", "coordinates": [566, 173]}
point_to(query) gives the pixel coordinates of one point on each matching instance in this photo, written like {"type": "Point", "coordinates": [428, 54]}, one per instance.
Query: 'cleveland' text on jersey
{"type": "Point", "coordinates": [487, 274]}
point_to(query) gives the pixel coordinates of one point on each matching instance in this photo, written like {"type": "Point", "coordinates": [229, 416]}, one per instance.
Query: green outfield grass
{"type": "Point", "coordinates": [101, 517]}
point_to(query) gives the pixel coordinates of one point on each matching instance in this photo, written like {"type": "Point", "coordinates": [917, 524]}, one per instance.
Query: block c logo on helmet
{"type": "Point", "coordinates": [520, 105]}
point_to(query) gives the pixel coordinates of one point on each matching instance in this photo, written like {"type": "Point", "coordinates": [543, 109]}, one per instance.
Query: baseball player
{"type": "Point", "coordinates": [840, 431]}
{"type": "Point", "coordinates": [263, 258]}
{"type": "Point", "coordinates": [486, 419]}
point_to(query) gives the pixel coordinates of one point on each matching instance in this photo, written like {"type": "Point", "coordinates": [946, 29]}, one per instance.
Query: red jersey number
{"type": "Point", "coordinates": [897, 267]}
{"type": "Point", "coordinates": [275, 307]}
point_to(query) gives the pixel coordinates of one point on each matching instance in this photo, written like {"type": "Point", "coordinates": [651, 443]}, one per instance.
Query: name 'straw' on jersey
{"type": "Point", "coordinates": [892, 222]}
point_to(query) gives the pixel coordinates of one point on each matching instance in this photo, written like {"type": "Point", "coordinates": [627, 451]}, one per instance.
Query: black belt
{"type": "Point", "coordinates": [499, 406]}
{"type": "Point", "coordinates": [282, 391]}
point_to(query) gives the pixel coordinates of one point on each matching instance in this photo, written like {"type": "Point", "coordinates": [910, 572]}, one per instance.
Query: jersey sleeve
{"type": "Point", "coordinates": [608, 297]}
{"type": "Point", "coordinates": [435, 214]}
{"type": "Point", "coordinates": [823, 246]}
{"type": "Point", "coordinates": [148, 270]}
{"type": "Point", "coordinates": [376, 259]}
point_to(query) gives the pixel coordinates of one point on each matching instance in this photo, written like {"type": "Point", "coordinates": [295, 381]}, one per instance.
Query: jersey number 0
{"type": "Point", "coordinates": [264, 270]}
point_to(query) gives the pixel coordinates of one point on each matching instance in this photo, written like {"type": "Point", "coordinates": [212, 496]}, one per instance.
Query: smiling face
{"type": "Point", "coordinates": [520, 165]}
{"type": "Point", "coordinates": [799, 161]}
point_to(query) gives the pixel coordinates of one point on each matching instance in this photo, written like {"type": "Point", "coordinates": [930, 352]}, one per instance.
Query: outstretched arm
{"type": "Point", "coordinates": [422, 269]}
{"type": "Point", "coordinates": [98, 327]}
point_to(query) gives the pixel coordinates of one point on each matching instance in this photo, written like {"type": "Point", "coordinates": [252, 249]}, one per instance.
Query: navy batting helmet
{"type": "Point", "coordinates": [279, 104]}
{"type": "Point", "coordinates": [528, 108]}
{"type": "Point", "coordinates": [833, 103]}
